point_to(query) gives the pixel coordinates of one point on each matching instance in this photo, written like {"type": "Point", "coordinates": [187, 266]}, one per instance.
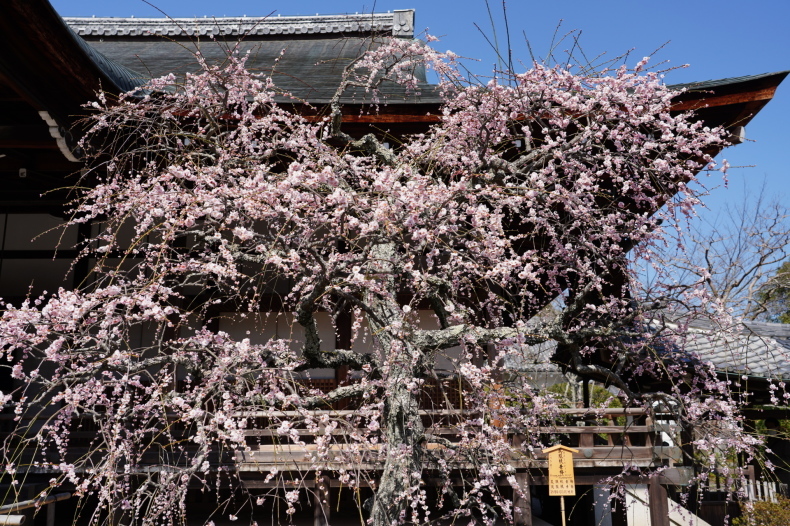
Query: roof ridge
{"type": "Point", "coordinates": [399, 23]}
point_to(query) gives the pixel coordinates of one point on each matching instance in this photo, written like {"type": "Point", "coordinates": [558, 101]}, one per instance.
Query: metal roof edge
{"type": "Point", "coordinates": [708, 84]}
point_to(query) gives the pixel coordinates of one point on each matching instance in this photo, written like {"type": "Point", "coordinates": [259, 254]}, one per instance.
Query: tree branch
{"type": "Point", "coordinates": [457, 334]}
{"type": "Point", "coordinates": [340, 393]}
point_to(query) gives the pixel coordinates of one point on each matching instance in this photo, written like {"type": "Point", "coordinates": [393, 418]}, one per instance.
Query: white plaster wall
{"type": "Point", "coordinates": [447, 359]}
{"type": "Point", "coordinates": [639, 511]}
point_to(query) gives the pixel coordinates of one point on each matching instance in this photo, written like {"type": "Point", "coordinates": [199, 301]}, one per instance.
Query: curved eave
{"type": "Point", "coordinates": [728, 102]}
{"type": "Point", "coordinates": [46, 74]}
{"type": "Point", "coordinates": [49, 66]}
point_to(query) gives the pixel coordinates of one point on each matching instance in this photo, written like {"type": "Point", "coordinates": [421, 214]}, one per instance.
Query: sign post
{"type": "Point", "coordinates": [561, 481]}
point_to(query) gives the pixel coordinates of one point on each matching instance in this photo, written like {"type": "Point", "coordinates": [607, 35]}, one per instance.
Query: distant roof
{"type": "Point", "coordinates": [755, 349]}
{"type": "Point", "coordinates": [533, 358]}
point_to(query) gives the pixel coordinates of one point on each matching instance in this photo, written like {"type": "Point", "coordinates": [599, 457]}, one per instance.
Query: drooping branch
{"type": "Point", "coordinates": [597, 372]}
{"type": "Point", "coordinates": [334, 358]}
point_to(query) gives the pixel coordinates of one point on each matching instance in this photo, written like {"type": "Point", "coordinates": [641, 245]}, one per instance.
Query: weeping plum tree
{"type": "Point", "coordinates": [207, 196]}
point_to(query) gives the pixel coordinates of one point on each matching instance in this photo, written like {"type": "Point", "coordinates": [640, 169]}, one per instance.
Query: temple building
{"type": "Point", "coordinates": [53, 66]}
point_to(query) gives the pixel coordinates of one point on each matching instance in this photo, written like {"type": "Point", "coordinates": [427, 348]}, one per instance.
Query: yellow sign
{"type": "Point", "coordinates": [561, 481]}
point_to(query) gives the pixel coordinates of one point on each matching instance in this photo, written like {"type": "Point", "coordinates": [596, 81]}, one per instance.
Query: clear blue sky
{"type": "Point", "coordinates": [718, 38]}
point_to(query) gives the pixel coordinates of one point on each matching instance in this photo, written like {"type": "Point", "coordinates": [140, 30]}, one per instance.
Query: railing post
{"type": "Point", "coordinates": [751, 481]}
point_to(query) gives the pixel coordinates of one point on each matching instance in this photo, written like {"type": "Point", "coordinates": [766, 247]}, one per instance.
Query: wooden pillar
{"type": "Point", "coordinates": [343, 332]}
{"type": "Point", "coordinates": [658, 502]}
{"type": "Point", "coordinates": [522, 501]}
{"type": "Point", "coordinates": [619, 516]}
{"type": "Point", "coordinates": [321, 501]}
{"type": "Point", "coordinates": [51, 514]}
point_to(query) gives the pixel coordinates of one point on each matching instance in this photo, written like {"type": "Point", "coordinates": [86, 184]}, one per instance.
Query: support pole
{"type": "Point", "coordinates": [562, 509]}
{"type": "Point", "coordinates": [51, 514]}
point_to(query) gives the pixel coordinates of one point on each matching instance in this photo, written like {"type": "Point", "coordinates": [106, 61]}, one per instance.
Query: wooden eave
{"type": "Point", "coordinates": [46, 75]}
{"type": "Point", "coordinates": [50, 67]}
{"type": "Point", "coordinates": [727, 102]}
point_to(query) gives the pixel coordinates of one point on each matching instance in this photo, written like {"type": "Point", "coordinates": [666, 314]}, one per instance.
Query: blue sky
{"type": "Point", "coordinates": [718, 38]}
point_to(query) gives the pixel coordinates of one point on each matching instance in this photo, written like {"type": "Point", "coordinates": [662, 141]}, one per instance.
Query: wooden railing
{"type": "Point", "coordinates": [603, 437]}
{"type": "Point", "coordinates": [600, 440]}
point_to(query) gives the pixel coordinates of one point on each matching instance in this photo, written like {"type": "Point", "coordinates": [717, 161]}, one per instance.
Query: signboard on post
{"type": "Point", "coordinates": [561, 481]}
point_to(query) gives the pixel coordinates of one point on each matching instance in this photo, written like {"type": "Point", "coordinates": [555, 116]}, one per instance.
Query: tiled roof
{"type": "Point", "coordinates": [125, 78]}
{"type": "Point", "coordinates": [758, 350]}
{"type": "Point", "coordinates": [305, 55]}
{"type": "Point", "coordinates": [533, 358]}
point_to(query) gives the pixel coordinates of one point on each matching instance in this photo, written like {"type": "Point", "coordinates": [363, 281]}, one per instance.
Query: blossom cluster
{"type": "Point", "coordinates": [208, 197]}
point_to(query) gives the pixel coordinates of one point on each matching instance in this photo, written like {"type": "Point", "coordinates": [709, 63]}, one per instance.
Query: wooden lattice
{"type": "Point", "coordinates": [445, 394]}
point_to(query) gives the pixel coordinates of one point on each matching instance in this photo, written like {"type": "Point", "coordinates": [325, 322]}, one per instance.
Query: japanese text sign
{"type": "Point", "coordinates": [561, 481]}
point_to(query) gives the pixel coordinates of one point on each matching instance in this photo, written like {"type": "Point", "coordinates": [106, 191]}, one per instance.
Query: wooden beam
{"type": "Point", "coordinates": [372, 118]}
{"type": "Point", "coordinates": [22, 144]}
{"type": "Point", "coordinates": [724, 100]}
{"type": "Point", "coordinates": [43, 161]}
{"type": "Point", "coordinates": [39, 254]}
{"type": "Point", "coordinates": [689, 100]}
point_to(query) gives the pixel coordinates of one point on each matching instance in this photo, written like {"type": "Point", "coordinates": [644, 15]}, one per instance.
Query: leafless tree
{"type": "Point", "coordinates": [735, 253]}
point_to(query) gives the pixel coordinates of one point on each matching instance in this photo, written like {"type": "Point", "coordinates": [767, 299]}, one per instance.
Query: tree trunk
{"type": "Point", "coordinates": [402, 469]}
{"type": "Point", "coordinates": [401, 423]}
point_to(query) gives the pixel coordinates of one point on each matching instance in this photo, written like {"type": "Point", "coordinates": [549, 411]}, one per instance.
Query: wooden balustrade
{"type": "Point", "coordinates": [596, 433]}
